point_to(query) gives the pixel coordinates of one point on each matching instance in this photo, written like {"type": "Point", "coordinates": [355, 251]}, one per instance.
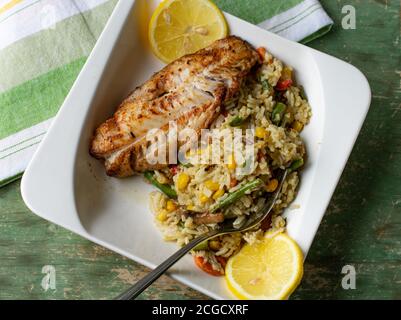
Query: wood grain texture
{"type": "Point", "coordinates": [362, 226]}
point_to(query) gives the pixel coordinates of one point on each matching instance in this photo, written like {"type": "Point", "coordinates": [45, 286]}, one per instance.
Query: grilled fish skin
{"type": "Point", "coordinates": [189, 91]}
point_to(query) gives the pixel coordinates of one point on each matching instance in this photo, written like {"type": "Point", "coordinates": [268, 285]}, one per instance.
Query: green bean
{"type": "Point", "coordinates": [278, 112]}
{"type": "Point", "coordinates": [202, 246]}
{"type": "Point", "coordinates": [186, 165]}
{"type": "Point", "coordinates": [235, 195]}
{"type": "Point", "coordinates": [295, 165]}
{"type": "Point", "coordinates": [303, 93]}
{"type": "Point", "coordinates": [166, 189]}
{"type": "Point", "coordinates": [287, 119]}
{"type": "Point", "coordinates": [266, 85]}
{"type": "Point", "coordinates": [237, 121]}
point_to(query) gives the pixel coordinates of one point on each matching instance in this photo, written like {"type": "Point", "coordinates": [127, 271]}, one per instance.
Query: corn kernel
{"type": "Point", "coordinates": [218, 194]}
{"type": "Point", "coordinates": [297, 126]}
{"type": "Point", "coordinates": [199, 152]}
{"type": "Point", "coordinates": [171, 206]}
{"type": "Point", "coordinates": [211, 185]}
{"type": "Point", "coordinates": [194, 152]}
{"type": "Point", "coordinates": [260, 132]}
{"type": "Point", "coordinates": [272, 185]}
{"type": "Point", "coordinates": [203, 198]}
{"type": "Point", "coordinates": [231, 163]}
{"type": "Point", "coordinates": [214, 245]}
{"type": "Point", "coordinates": [169, 238]}
{"type": "Point", "coordinates": [191, 207]}
{"type": "Point", "coordinates": [286, 74]}
{"type": "Point", "coordinates": [162, 216]}
{"type": "Point", "coordinates": [182, 181]}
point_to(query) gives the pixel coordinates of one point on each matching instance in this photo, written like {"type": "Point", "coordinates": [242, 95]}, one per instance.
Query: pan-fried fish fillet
{"type": "Point", "coordinates": [190, 91]}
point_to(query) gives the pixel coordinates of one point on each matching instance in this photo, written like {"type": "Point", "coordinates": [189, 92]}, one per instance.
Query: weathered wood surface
{"type": "Point", "coordinates": [362, 226]}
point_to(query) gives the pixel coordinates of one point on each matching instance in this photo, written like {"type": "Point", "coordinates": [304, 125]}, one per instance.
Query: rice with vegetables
{"type": "Point", "coordinates": [197, 197]}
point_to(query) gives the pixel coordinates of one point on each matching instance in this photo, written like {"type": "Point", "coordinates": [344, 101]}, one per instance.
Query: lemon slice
{"type": "Point", "coordinates": [180, 27]}
{"type": "Point", "coordinates": [268, 270]}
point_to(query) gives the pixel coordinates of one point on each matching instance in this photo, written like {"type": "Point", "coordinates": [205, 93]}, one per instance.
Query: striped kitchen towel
{"type": "Point", "coordinates": [45, 43]}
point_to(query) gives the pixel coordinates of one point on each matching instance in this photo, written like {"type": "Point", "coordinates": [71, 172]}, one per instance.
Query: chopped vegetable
{"type": "Point", "coordinates": [272, 185]}
{"type": "Point", "coordinates": [203, 198]}
{"type": "Point", "coordinates": [233, 182]}
{"type": "Point", "coordinates": [218, 194]}
{"type": "Point", "coordinates": [283, 85]}
{"type": "Point", "coordinates": [287, 118]}
{"type": "Point", "coordinates": [278, 112]}
{"type": "Point", "coordinates": [296, 164]}
{"type": "Point", "coordinates": [185, 165]}
{"type": "Point", "coordinates": [262, 52]}
{"type": "Point", "coordinates": [303, 93]}
{"type": "Point", "coordinates": [297, 126]}
{"type": "Point", "coordinates": [211, 185]}
{"type": "Point", "coordinates": [166, 189]}
{"type": "Point", "coordinates": [260, 132]}
{"type": "Point", "coordinates": [286, 74]}
{"type": "Point", "coordinates": [279, 96]}
{"type": "Point", "coordinates": [214, 245]}
{"type": "Point", "coordinates": [171, 206]}
{"type": "Point", "coordinates": [182, 181]}
{"type": "Point", "coordinates": [237, 194]}
{"type": "Point", "coordinates": [222, 261]}
{"type": "Point", "coordinates": [266, 85]}
{"type": "Point", "coordinates": [231, 163]}
{"type": "Point", "coordinates": [207, 267]}
{"type": "Point", "coordinates": [237, 121]}
{"type": "Point", "coordinates": [174, 169]}
{"type": "Point", "coordinates": [162, 216]}
{"type": "Point", "coordinates": [202, 246]}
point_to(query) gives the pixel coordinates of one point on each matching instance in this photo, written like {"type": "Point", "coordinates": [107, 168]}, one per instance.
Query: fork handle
{"type": "Point", "coordinates": [151, 277]}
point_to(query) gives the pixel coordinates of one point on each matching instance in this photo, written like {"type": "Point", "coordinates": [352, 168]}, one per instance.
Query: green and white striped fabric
{"type": "Point", "coordinates": [45, 43]}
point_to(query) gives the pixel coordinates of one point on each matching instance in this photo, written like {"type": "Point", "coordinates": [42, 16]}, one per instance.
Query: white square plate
{"type": "Point", "coordinates": [66, 186]}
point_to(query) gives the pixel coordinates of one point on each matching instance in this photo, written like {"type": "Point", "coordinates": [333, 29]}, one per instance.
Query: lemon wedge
{"type": "Point", "coordinates": [180, 27]}
{"type": "Point", "coordinates": [267, 270]}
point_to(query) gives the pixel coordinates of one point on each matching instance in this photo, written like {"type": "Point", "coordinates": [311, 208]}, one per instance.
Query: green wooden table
{"type": "Point", "coordinates": [362, 226]}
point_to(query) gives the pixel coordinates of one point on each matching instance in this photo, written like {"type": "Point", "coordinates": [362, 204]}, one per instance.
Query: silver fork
{"type": "Point", "coordinates": [226, 228]}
